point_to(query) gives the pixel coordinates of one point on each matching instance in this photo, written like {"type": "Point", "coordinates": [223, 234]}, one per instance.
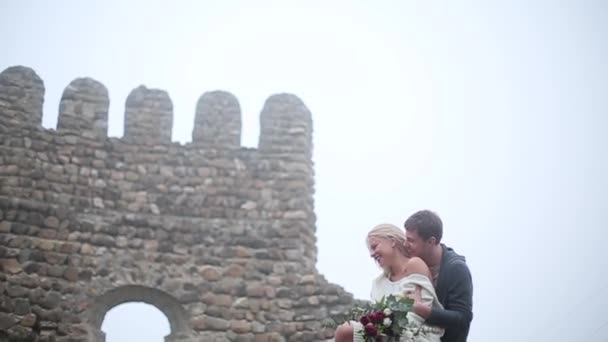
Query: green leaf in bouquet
{"type": "Point", "coordinates": [404, 305]}
{"type": "Point", "coordinates": [396, 329]}
{"type": "Point", "coordinates": [391, 300]}
{"type": "Point", "coordinates": [406, 300]}
{"type": "Point", "coordinates": [402, 321]}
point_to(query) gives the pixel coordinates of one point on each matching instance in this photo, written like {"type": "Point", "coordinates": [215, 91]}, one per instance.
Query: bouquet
{"type": "Point", "coordinates": [385, 320]}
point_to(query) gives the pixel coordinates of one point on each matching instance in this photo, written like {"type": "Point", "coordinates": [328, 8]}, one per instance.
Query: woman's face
{"type": "Point", "coordinates": [381, 250]}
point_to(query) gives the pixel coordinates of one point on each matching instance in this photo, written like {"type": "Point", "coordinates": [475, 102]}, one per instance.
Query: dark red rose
{"type": "Point", "coordinates": [377, 317]}
{"type": "Point", "coordinates": [371, 330]}
{"type": "Point", "coordinates": [364, 320]}
{"type": "Point", "coordinates": [371, 317]}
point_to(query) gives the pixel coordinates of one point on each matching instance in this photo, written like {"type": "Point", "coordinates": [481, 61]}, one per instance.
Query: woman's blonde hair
{"type": "Point", "coordinates": [389, 232]}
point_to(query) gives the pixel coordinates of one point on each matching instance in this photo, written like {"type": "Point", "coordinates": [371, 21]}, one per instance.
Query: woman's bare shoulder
{"type": "Point", "coordinates": [417, 265]}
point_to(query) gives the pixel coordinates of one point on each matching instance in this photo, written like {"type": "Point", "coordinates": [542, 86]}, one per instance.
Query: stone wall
{"type": "Point", "coordinates": [219, 237]}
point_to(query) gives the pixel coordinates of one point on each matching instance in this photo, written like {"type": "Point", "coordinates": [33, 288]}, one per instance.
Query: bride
{"type": "Point", "coordinates": [401, 274]}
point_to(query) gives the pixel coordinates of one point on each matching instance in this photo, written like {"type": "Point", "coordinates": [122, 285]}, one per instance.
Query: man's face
{"type": "Point", "coordinates": [416, 246]}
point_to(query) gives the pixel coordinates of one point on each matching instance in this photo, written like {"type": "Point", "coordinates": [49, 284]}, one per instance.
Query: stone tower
{"type": "Point", "coordinates": [219, 237]}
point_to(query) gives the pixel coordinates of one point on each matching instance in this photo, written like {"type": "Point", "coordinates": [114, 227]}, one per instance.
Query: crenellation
{"type": "Point", "coordinates": [285, 121]}
{"type": "Point", "coordinates": [83, 109]}
{"type": "Point", "coordinates": [223, 235]}
{"type": "Point", "coordinates": [21, 96]}
{"type": "Point", "coordinates": [217, 121]}
{"type": "Point", "coordinates": [286, 126]}
{"type": "Point", "coordinates": [148, 117]}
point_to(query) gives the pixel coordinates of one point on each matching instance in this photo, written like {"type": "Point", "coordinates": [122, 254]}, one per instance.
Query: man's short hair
{"type": "Point", "coordinates": [426, 223]}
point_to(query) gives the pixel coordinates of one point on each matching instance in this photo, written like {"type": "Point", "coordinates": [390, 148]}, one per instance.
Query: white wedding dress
{"type": "Point", "coordinates": [382, 287]}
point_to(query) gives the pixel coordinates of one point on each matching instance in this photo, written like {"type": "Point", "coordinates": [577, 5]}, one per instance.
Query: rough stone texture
{"type": "Point", "coordinates": [84, 108]}
{"type": "Point", "coordinates": [148, 116]}
{"type": "Point", "coordinates": [286, 126]}
{"type": "Point", "coordinates": [21, 95]}
{"type": "Point", "coordinates": [218, 120]}
{"type": "Point", "coordinates": [218, 237]}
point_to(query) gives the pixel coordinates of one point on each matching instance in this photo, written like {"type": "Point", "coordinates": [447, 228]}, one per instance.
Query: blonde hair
{"type": "Point", "coordinates": [389, 232]}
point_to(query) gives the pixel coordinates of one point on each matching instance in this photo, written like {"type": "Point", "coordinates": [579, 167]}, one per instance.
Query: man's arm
{"type": "Point", "coordinates": [459, 310]}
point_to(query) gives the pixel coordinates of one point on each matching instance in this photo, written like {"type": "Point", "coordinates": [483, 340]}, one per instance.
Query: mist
{"type": "Point", "coordinates": [491, 113]}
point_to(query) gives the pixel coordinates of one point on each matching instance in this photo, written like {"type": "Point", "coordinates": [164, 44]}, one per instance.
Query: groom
{"type": "Point", "coordinates": [451, 276]}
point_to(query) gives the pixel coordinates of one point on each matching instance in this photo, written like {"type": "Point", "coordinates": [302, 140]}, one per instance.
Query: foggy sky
{"type": "Point", "coordinates": [494, 114]}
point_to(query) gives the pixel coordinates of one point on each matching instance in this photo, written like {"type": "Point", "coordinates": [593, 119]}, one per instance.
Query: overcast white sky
{"type": "Point", "coordinates": [492, 113]}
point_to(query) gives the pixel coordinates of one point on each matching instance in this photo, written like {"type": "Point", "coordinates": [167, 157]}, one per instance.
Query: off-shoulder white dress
{"type": "Point", "coordinates": [382, 286]}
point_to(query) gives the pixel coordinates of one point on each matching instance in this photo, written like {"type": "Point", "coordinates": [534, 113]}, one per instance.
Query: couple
{"type": "Point", "coordinates": [418, 265]}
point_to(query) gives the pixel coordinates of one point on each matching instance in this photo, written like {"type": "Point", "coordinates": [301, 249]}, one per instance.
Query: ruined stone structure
{"type": "Point", "coordinates": [219, 237]}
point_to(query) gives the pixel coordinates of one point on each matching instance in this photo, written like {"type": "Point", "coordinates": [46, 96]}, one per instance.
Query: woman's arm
{"type": "Point", "coordinates": [417, 266]}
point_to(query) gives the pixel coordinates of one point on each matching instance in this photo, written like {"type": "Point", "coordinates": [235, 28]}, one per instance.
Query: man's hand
{"type": "Point", "coordinates": [419, 308]}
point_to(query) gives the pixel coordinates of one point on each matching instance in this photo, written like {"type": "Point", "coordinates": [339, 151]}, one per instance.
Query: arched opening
{"type": "Point", "coordinates": [129, 303]}
{"type": "Point", "coordinates": [135, 321]}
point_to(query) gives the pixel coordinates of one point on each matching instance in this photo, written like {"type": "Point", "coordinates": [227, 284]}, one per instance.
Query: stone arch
{"type": "Point", "coordinates": [167, 304]}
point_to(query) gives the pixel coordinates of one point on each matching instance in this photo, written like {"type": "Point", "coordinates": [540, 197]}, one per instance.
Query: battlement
{"type": "Point", "coordinates": [219, 237]}
{"type": "Point", "coordinates": [285, 121]}
{"type": "Point", "coordinates": [144, 173]}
